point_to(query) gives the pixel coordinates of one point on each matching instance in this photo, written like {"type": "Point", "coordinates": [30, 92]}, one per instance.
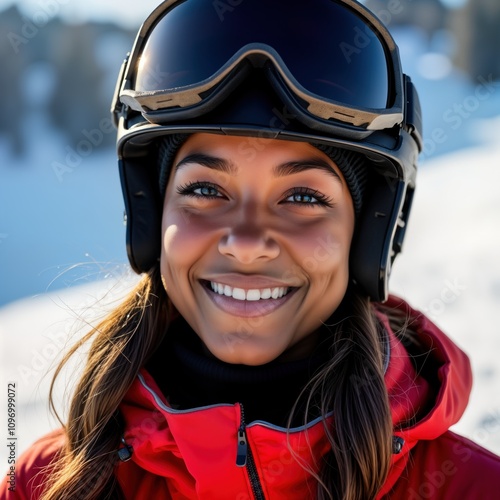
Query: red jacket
{"type": "Point", "coordinates": [192, 453]}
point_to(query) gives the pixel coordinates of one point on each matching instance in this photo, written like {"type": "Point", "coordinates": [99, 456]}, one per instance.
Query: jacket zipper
{"type": "Point", "coordinates": [244, 458]}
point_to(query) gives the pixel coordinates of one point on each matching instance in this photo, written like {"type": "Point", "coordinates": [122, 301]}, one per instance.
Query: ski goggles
{"type": "Point", "coordinates": [330, 61]}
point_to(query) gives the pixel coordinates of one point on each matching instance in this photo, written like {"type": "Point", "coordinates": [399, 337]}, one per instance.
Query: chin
{"type": "Point", "coordinates": [240, 353]}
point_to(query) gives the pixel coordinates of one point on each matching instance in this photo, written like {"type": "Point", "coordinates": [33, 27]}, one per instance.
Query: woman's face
{"type": "Point", "coordinates": [256, 236]}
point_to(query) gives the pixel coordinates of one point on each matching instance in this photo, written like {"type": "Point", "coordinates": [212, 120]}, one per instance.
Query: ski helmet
{"type": "Point", "coordinates": [325, 72]}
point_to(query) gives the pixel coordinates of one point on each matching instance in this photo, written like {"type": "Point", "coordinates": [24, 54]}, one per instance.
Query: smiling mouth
{"type": "Point", "coordinates": [253, 294]}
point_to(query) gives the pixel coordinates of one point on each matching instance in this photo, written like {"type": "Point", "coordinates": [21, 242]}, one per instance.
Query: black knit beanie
{"type": "Point", "coordinates": [351, 164]}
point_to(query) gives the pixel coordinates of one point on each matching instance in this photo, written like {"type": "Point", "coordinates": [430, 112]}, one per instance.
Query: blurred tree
{"type": "Point", "coordinates": [77, 102]}
{"type": "Point", "coordinates": [13, 61]}
{"type": "Point", "coordinates": [477, 28]}
{"type": "Point", "coordinates": [84, 59]}
{"type": "Point", "coordinates": [428, 15]}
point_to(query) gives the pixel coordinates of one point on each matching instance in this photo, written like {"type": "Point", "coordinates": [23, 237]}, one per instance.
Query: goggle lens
{"type": "Point", "coordinates": [344, 61]}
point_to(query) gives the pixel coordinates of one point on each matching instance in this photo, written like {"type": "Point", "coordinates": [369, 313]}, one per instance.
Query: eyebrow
{"type": "Point", "coordinates": [282, 170]}
{"type": "Point", "coordinates": [295, 167]}
{"type": "Point", "coordinates": [212, 162]}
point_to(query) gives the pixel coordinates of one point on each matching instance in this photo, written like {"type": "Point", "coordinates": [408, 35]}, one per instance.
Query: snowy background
{"type": "Point", "coordinates": [63, 261]}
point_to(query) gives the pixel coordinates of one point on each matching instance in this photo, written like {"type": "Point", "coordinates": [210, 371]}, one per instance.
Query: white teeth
{"type": "Point", "coordinates": [253, 295]}
{"type": "Point", "coordinates": [250, 295]}
{"type": "Point", "coordinates": [238, 294]}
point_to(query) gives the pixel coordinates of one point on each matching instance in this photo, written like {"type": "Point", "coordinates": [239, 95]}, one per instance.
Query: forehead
{"type": "Point", "coordinates": [230, 153]}
{"type": "Point", "coordinates": [246, 147]}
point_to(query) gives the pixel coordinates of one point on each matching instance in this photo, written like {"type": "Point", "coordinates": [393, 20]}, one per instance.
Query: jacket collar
{"type": "Point", "coordinates": [424, 402]}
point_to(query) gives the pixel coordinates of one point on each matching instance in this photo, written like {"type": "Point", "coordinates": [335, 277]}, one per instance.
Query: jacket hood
{"type": "Point", "coordinates": [443, 365]}
{"type": "Point", "coordinates": [437, 386]}
{"type": "Point", "coordinates": [194, 451]}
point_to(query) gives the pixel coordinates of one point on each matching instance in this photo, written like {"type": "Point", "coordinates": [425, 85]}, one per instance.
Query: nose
{"type": "Point", "coordinates": [248, 241]}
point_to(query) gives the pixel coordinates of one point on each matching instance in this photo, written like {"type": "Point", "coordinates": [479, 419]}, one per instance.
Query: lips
{"type": "Point", "coordinates": [248, 302]}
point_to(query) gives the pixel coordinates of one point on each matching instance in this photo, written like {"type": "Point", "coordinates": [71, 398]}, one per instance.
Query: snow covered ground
{"type": "Point", "coordinates": [35, 333]}
{"type": "Point", "coordinates": [450, 268]}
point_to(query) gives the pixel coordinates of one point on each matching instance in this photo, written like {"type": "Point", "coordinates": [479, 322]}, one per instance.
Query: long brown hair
{"type": "Point", "coordinates": [121, 345]}
{"type": "Point", "coordinates": [351, 386]}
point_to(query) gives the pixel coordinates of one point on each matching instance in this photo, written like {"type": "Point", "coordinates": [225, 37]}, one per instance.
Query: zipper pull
{"type": "Point", "coordinates": [241, 451]}
{"type": "Point", "coordinates": [242, 448]}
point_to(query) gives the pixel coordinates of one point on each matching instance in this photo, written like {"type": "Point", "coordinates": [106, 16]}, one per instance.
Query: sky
{"type": "Point", "coordinates": [110, 10]}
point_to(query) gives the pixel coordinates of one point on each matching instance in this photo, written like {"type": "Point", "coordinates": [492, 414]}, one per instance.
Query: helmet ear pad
{"type": "Point", "coordinates": [379, 234]}
{"type": "Point", "coordinates": [143, 209]}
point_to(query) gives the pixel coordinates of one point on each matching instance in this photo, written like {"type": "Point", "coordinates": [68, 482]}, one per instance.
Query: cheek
{"type": "Point", "coordinates": [180, 241]}
{"type": "Point", "coordinates": [328, 269]}
{"type": "Point", "coordinates": [172, 241]}
{"type": "Point", "coordinates": [324, 249]}
{"type": "Point", "coordinates": [186, 238]}
{"type": "Point", "coordinates": [322, 253]}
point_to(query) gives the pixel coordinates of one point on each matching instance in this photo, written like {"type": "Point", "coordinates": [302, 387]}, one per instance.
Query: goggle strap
{"type": "Point", "coordinates": [116, 104]}
{"type": "Point", "coordinates": [413, 113]}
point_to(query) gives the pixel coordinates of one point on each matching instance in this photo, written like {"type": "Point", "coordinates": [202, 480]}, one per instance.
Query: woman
{"type": "Point", "coordinates": [268, 158]}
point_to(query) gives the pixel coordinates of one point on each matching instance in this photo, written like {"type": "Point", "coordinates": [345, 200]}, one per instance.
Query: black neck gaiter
{"type": "Point", "coordinates": [190, 377]}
